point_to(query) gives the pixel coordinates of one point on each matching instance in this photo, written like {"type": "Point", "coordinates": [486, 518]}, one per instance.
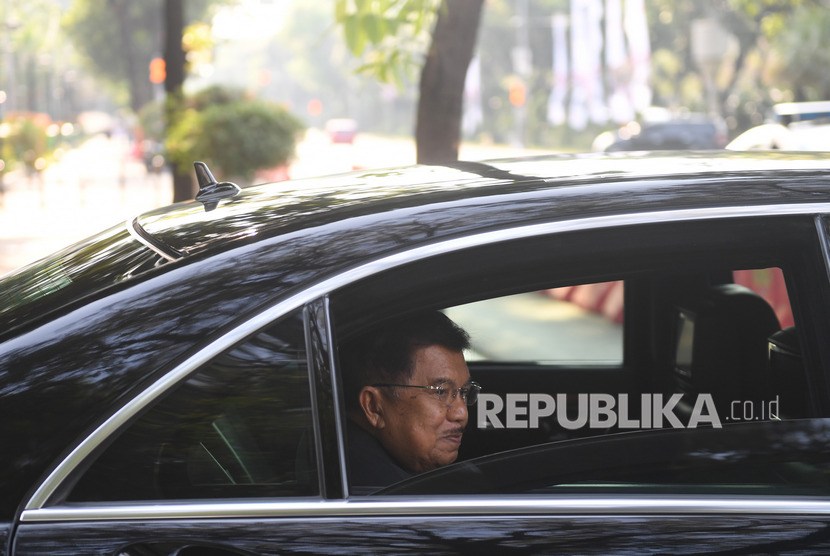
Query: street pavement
{"type": "Point", "coordinates": [92, 187]}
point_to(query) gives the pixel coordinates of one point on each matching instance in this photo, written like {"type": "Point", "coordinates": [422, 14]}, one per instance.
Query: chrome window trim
{"type": "Point", "coordinates": [450, 506]}
{"type": "Point", "coordinates": [148, 241]}
{"type": "Point", "coordinates": [335, 388]}
{"type": "Point", "coordinates": [313, 392]}
{"type": "Point", "coordinates": [320, 289]}
{"type": "Point", "coordinates": [823, 243]}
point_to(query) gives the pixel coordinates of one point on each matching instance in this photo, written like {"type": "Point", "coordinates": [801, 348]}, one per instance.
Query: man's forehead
{"type": "Point", "coordinates": [448, 380]}
{"type": "Point", "coordinates": [439, 365]}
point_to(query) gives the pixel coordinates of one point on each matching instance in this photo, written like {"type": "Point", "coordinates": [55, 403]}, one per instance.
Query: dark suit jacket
{"type": "Point", "coordinates": [370, 466]}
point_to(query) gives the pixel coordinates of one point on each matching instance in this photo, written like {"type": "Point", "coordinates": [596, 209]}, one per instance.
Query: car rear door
{"type": "Point", "coordinates": [241, 449]}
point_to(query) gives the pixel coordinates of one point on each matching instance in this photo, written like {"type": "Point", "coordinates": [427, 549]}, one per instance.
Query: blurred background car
{"type": "Point", "coordinates": [659, 130]}
{"type": "Point", "coordinates": [341, 130]}
{"type": "Point", "coordinates": [796, 126]}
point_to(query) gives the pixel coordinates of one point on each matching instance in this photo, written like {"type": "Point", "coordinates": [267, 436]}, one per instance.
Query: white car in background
{"type": "Point", "coordinates": [799, 126]}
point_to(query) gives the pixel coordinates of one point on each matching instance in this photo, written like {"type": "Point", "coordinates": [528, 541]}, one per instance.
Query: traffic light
{"type": "Point", "coordinates": [315, 107]}
{"type": "Point", "coordinates": [517, 93]}
{"type": "Point", "coordinates": [158, 70]}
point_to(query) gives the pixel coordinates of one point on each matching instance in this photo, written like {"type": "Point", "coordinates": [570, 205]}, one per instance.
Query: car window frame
{"type": "Point", "coordinates": [226, 431]}
{"type": "Point", "coordinates": [808, 282]}
{"type": "Point", "coordinates": [56, 485]}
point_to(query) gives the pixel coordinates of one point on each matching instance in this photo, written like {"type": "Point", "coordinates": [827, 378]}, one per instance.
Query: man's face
{"type": "Point", "coordinates": [419, 430]}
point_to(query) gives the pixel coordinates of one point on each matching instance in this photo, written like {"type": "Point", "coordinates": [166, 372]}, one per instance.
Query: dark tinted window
{"type": "Point", "coordinates": [756, 458]}
{"type": "Point", "coordinates": [241, 426]}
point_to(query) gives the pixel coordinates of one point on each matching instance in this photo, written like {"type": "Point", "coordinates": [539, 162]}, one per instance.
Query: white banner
{"type": "Point", "coordinates": [556, 100]}
{"type": "Point", "coordinates": [617, 64]}
{"type": "Point", "coordinates": [473, 115]}
{"type": "Point", "coordinates": [636, 31]}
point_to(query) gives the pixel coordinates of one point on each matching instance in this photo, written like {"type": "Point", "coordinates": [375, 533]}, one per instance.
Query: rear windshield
{"type": "Point", "coordinates": [67, 276]}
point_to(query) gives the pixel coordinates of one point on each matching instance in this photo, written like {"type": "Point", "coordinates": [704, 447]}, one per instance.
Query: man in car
{"type": "Point", "coordinates": [408, 388]}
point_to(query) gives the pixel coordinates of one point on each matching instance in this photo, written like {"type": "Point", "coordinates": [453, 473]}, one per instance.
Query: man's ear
{"type": "Point", "coordinates": [372, 405]}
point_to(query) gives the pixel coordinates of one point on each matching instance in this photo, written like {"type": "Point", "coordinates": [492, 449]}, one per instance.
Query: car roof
{"type": "Point", "coordinates": [326, 225]}
{"type": "Point", "coordinates": [663, 179]}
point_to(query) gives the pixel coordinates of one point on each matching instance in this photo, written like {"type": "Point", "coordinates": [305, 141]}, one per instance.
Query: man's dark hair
{"type": "Point", "coordinates": [385, 353]}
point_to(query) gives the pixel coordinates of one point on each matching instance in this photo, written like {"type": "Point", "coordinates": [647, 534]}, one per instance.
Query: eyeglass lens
{"type": "Point", "coordinates": [469, 394]}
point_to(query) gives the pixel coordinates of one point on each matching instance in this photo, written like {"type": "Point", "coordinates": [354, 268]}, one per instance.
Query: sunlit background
{"type": "Point", "coordinates": [92, 133]}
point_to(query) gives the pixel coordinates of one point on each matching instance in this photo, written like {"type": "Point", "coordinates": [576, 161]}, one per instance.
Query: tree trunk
{"type": "Point", "coordinates": [438, 128]}
{"type": "Point", "coordinates": [173, 82]}
{"type": "Point", "coordinates": [140, 92]}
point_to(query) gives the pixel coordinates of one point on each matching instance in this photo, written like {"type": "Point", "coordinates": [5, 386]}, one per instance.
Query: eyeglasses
{"type": "Point", "coordinates": [469, 392]}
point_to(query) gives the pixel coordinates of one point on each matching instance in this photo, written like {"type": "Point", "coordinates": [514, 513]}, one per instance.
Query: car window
{"type": "Point", "coordinates": [732, 359]}
{"type": "Point", "coordinates": [625, 335]}
{"type": "Point", "coordinates": [240, 426]}
{"type": "Point", "coordinates": [574, 325]}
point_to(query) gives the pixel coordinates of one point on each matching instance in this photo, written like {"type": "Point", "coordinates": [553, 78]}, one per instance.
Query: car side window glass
{"type": "Point", "coordinates": [574, 325]}
{"type": "Point", "coordinates": [241, 426]}
{"type": "Point", "coordinates": [716, 362]}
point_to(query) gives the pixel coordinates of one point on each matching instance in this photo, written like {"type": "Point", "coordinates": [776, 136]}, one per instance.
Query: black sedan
{"type": "Point", "coordinates": [650, 334]}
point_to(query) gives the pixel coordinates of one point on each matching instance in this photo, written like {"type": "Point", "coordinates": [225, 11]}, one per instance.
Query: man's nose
{"type": "Point", "coordinates": [458, 409]}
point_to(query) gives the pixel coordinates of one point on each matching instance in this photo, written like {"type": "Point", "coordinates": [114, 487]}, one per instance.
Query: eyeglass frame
{"type": "Point", "coordinates": [454, 392]}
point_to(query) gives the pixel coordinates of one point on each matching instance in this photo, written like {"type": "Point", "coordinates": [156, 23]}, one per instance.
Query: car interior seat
{"type": "Point", "coordinates": [722, 348]}
{"type": "Point", "coordinates": [788, 381]}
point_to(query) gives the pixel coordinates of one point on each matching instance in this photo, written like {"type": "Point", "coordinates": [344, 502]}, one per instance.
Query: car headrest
{"type": "Point", "coordinates": [723, 343]}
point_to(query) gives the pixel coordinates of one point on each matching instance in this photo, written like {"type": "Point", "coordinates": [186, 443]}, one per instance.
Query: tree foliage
{"type": "Point", "coordinates": [801, 49]}
{"type": "Point", "coordinates": [779, 55]}
{"type": "Point", "coordinates": [30, 26]}
{"type": "Point", "coordinates": [25, 139]}
{"type": "Point", "coordinates": [772, 63]}
{"type": "Point", "coordinates": [233, 135]}
{"type": "Point", "coordinates": [390, 37]}
{"type": "Point", "coordinates": [118, 38]}
{"type": "Point", "coordinates": [34, 50]}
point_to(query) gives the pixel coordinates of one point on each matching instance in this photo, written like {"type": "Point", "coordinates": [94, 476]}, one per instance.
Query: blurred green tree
{"type": "Point", "coordinates": [233, 135]}
{"type": "Point", "coordinates": [35, 62]}
{"type": "Point", "coordinates": [26, 140]}
{"type": "Point", "coordinates": [119, 38]}
{"type": "Point", "coordinates": [389, 35]}
{"type": "Point", "coordinates": [802, 56]}
{"type": "Point", "coordinates": [779, 55]}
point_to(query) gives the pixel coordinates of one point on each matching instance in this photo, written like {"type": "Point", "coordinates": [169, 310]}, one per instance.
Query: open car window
{"type": "Point", "coordinates": [575, 325]}
{"type": "Point", "coordinates": [592, 348]}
